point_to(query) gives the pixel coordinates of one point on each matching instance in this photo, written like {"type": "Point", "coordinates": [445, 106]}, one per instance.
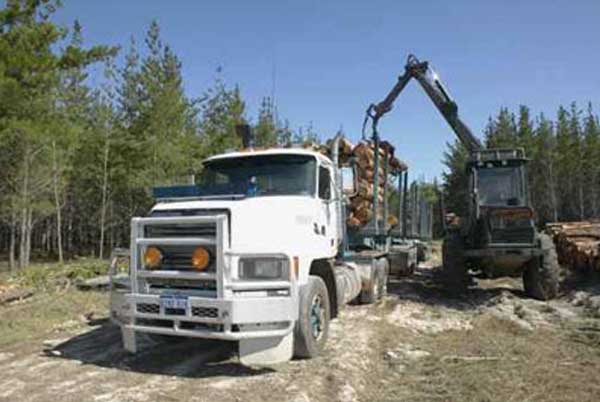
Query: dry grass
{"type": "Point", "coordinates": [497, 361]}
{"type": "Point", "coordinates": [47, 313]}
{"type": "Point", "coordinates": [55, 304]}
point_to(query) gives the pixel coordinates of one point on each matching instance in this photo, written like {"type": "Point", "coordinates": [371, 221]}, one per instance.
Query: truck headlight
{"type": "Point", "coordinates": [264, 268]}
{"type": "Point", "coordinates": [152, 258]}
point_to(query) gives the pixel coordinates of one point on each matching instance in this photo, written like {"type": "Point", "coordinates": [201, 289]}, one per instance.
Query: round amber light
{"type": "Point", "coordinates": [152, 258]}
{"type": "Point", "coordinates": [200, 258]}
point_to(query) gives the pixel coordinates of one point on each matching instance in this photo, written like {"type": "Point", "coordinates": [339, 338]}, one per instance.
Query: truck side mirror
{"type": "Point", "coordinates": [349, 180]}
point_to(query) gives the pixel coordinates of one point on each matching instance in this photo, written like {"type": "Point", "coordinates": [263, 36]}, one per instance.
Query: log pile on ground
{"type": "Point", "coordinates": [361, 204]}
{"type": "Point", "coordinates": [11, 292]}
{"type": "Point", "coordinates": [577, 244]}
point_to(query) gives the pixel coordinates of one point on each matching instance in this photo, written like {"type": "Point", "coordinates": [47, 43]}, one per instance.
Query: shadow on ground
{"type": "Point", "coordinates": [426, 286]}
{"type": "Point", "coordinates": [193, 358]}
{"type": "Point", "coordinates": [587, 281]}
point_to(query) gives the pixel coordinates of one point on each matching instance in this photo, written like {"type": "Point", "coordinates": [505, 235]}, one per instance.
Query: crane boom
{"type": "Point", "coordinates": [437, 92]}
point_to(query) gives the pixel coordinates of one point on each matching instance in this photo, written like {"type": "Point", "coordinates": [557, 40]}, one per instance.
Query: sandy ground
{"type": "Point", "coordinates": [417, 344]}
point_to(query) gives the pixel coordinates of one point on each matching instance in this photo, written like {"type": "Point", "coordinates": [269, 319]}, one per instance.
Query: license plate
{"type": "Point", "coordinates": [174, 302]}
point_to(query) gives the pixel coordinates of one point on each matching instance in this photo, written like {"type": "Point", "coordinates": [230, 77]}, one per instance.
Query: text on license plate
{"type": "Point", "coordinates": [174, 302]}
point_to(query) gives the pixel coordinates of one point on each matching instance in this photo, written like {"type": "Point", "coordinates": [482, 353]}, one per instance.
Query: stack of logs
{"type": "Point", "coordinates": [361, 204]}
{"type": "Point", "coordinates": [577, 244]}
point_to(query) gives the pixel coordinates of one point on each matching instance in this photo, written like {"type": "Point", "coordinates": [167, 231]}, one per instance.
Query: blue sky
{"type": "Point", "coordinates": [330, 59]}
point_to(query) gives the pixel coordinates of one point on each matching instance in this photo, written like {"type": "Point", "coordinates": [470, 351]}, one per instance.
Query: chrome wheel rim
{"type": "Point", "coordinates": [317, 317]}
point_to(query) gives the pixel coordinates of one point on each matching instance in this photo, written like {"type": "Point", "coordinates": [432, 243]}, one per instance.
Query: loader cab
{"type": "Point", "coordinates": [500, 185]}
{"type": "Point", "coordinates": [498, 178]}
{"type": "Point", "coordinates": [501, 213]}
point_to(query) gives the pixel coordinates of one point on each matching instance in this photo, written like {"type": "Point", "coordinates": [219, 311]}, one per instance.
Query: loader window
{"type": "Point", "coordinates": [500, 186]}
{"type": "Point", "coordinates": [259, 175]}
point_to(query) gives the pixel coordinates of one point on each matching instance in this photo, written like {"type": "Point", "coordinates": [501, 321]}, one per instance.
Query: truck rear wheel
{"type": "Point", "coordinates": [312, 327]}
{"type": "Point", "coordinates": [540, 276]}
{"type": "Point", "coordinates": [454, 269]}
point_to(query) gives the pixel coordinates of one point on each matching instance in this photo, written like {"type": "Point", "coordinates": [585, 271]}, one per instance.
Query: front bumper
{"type": "Point", "coordinates": [235, 319]}
{"type": "Point", "coordinates": [239, 309]}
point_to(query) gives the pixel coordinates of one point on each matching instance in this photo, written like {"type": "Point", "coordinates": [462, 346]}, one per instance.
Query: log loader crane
{"type": "Point", "coordinates": [498, 236]}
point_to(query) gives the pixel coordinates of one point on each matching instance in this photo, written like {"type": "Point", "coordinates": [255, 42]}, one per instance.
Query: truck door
{"type": "Point", "coordinates": [328, 227]}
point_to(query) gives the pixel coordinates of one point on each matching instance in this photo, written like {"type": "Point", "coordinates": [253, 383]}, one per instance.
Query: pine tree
{"type": "Point", "coordinates": [29, 83]}
{"type": "Point", "coordinates": [306, 135]}
{"type": "Point", "coordinates": [564, 167]}
{"type": "Point", "coordinates": [265, 131]}
{"type": "Point", "coordinates": [590, 164]}
{"type": "Point", "coordinates": [576, 161]}
{"type": "Point", "coordinates": [221, 110]}
{"type": "Point", "coordinates": [501, 132]}
{"type": "Point", "coordinates": [456, 181]}
{"type": "Point", "coordinates": [542, 171]}
{"type": "Point", "coordinates": [73, 102]}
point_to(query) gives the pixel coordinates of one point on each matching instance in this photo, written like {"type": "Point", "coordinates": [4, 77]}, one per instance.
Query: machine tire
{"type": "Point", "coordinates": [541, 274]}
{"type": "Point", "coordinates": [455, 274]}
{"type": "Point", "coordinates": [313, 295]}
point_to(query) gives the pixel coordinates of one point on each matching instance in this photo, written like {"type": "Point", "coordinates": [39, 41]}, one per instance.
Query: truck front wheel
{"type": "Point", "coordinates": [312, 327]}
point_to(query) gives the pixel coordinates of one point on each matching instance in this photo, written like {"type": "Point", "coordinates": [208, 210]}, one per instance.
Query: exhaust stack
{"type": "Point", "coordinates": [244, 131]}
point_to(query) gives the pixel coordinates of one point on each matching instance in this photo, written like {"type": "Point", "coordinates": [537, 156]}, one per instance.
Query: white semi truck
{"type": "Point", "coordinates": [257, 251]}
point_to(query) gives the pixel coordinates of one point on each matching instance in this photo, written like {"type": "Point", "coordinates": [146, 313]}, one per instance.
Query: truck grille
{"type": "Point", "coordinates": [153, 308]}
{"type": "Point", "coordinates": [513, 235]}
{"type": "Point", "coordinates": [200, 286]}
{"type": "Point", "coordinates": [184, 225]}
{"type": "Point", "coordinates": [179, 258]}
{"type": "Point", "coordinates": [181, 230]}
{"type": "Point", "coordinates": [207, 312]}
{"type": "Point", "coordinates": [148, 308]}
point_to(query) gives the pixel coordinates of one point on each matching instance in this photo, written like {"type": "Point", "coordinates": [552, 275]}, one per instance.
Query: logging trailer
{"type": "Point", "coordinates": [258, 252]}
{"type": "Point", "coordinates": [498, 236]}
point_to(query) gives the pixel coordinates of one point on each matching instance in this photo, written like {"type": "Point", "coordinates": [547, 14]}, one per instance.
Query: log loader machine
{"type": "Point", "coordinates": [498, 236]}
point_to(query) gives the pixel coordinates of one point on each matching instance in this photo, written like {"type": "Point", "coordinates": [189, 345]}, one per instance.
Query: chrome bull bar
{"type": "Point", "coordinates": [139, 243]}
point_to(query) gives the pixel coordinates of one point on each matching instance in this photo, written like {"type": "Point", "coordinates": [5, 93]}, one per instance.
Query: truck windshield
{"type": "Point", "coordinates": [500, 186]}
{"type": "Point", "coordinates": [259, 175]}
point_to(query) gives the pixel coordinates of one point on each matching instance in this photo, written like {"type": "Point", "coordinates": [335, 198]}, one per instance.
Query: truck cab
{"type": "Point", "coordinates": [234, 256]}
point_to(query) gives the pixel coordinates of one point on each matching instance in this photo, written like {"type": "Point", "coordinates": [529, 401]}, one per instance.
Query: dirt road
{"type": "Point", "coordinates": [418, 344]}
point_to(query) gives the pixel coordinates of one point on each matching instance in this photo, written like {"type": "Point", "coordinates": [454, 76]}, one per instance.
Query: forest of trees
{"type": "Point", "coordinates": [78, 160]}
{"type": "Point", "coordinates": [564, 166]}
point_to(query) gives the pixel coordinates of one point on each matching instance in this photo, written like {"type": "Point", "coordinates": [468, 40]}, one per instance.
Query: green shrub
{"type": "Point", "coordinates": [53, 276]}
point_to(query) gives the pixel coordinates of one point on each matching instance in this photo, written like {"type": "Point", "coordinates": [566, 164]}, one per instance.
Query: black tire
{"type": "Point", "coordinates": [541, 274]}
{"type": "Point", "coordinates": [454, 270]}
{"type": "Point", "coordinates": [312, 327]}
{"type": "Point", "coordinates": [421, 253]}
